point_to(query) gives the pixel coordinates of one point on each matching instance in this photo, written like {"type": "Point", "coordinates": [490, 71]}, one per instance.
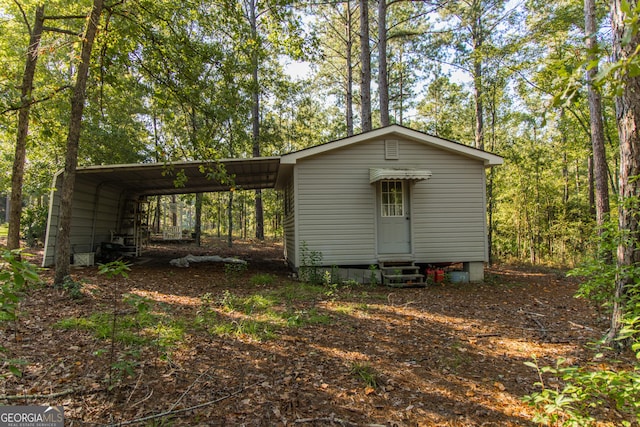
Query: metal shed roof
{"type": "Point", "coordinates": [377, 174]}
{"type": "Point", "coordinates": [186, 177]}
{"type": "Point", "coordinates": [248, 174]}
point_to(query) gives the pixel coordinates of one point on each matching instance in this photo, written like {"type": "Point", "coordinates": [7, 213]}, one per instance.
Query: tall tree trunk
{"type": "Point", "coordinates": [365, 66]}
{"type": "Point", "coordinates": [477, 95]}
{"type": "Point", "coordinates": [255, 115]}
{"type": "Point", "coordinates": [565, 167]}
{"type": "Point", "coordinates": [591, 189]}
{"type": "Point", "coordinates": [156, 220]}
{"type": "Point", "coordinates": [17, 175]}
{"type": "Point", "coordinates": [198, 223]}
{"type": "Point", "coordinates": [63, 243]}
{"type": "Point", "coordinates": [401, 88]}
{"type": "Point", "coordinates": [595, 115]}
{"type": "Point", "coordinates": [628, 113]}
{"type": "Point", "coordinates": [230, 219]}
{"type": "Point", "coordinates": [348, 56]}
{"type": "Point", "coordinates": [383, 81]}
{"type": "Point", "coordinates": [477, 37]}
{"type": "Point", "coordinates": [490, 181]}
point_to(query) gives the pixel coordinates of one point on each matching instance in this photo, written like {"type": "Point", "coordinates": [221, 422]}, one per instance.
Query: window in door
{"type": "Point", "coordinates": [392, 198]}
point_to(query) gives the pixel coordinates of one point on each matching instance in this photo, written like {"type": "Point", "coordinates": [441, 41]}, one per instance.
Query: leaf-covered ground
{"type": "Point", "coordinates": [213, 344]}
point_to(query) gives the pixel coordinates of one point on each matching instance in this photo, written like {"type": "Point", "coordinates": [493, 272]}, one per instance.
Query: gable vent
{"type": "Point", "coordinates": [391, 149]}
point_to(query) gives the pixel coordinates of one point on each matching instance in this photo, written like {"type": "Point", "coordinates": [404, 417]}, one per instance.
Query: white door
{"type": "Point", "coordinates": [394, 221]}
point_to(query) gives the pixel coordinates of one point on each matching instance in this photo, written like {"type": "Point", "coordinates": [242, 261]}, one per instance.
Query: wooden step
{"type": "Point", "coordinates": [408, 268]}
{"type": "Point", "coordinates": [401, 273]}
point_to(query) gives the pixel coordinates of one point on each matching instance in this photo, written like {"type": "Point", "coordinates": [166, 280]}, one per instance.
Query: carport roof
{"type": "Point", "coordinates": [160, 178]}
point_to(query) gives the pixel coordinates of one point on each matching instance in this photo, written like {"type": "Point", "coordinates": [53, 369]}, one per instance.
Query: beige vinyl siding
{"type": "Point", "coordinates": [289, 224]}
{"type": "Point", "coordinates": [448, 218]}
{"type": "Point", "coordinates": [336, 204]}
{"type": "Point", "coordinates": [95, 214]}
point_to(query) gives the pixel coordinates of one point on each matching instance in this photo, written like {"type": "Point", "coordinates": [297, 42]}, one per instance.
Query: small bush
{"type": "Point", "coordinates": [34, 224]}
{"type": "Point", "coordinates": [71, 287]}
{"type": "Point", "coordinates": [15, 275]}
{"type": "Point", "coordinates": [310, 263]}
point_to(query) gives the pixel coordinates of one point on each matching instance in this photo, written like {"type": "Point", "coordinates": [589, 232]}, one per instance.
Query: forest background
{"type": "Point", "coordinates": [198, 80]}
{"type": "Point", "coordinates": [546, 85]}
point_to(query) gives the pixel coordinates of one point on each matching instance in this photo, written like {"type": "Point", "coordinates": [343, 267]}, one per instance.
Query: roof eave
{"type": "Point", "coordinates": [487, 158]}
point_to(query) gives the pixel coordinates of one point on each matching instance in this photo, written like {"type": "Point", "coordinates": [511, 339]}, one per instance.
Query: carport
{"type": "Point", "coordinates": [106, 197]}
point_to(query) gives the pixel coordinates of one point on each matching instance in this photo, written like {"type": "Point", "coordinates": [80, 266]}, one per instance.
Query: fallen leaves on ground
{"type": "Point", "coordinates": [444, 355]}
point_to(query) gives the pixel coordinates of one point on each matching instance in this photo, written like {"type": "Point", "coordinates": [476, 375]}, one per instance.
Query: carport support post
{"type": "Point", "coordinates": [198, 224]}
{"type": "Point", "coordinates": [230, 217]}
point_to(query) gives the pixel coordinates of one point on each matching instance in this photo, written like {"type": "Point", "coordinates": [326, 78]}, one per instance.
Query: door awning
{"type": "Point", "coordinates": [376, 174]}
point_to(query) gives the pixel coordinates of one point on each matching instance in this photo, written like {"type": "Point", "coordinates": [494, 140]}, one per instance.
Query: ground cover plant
{"type": "Point", "coordinates": [210, 345]}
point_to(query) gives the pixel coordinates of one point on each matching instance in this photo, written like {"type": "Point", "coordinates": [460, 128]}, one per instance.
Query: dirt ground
{"type": "Point", "coordinates": [444, 355]}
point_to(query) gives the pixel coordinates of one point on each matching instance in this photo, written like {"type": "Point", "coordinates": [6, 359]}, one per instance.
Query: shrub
{"type": "Point", "coordinates": [15, 275]}
{"type": "Point", "coordinates": [587, 393]}
{"type": "Point", "coordinates": [310, 262]}
{"type": "Point", "coordinates": [34, 224]}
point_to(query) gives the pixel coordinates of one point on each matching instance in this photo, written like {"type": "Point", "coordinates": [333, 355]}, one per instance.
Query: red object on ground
{"type": "Point", "coordinates": [437, 275]}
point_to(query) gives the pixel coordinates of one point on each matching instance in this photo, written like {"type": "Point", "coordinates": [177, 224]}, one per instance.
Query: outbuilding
{"type": "Point", "coordinates": [393, 195]}
{"type": "Point", "coordinates": [385, 197]}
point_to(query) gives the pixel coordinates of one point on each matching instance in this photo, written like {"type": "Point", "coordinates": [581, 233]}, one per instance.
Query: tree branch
{"type": "Point", "coordinates": [62, 31]}
{"type": "Point", "coordinates": [37, 101]}
{"type": "Point", "coordinates": [63, 17]}
{"type": "Point", "coordinates": [24, 15]}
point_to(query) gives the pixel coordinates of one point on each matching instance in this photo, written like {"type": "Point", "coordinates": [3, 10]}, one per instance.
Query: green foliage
{"type": "Point", "coordinates": [373, 274]}
{"type": "Point", "coordinates": [331, 288]}
{"type": "Point", "coordinates": [298, 318]}
{"type": "Point", "coordinates": [254, 329]}
{"type": "Point", "coordinates": [297, 292]}
{"type": "Point", "coordinates": [620, 71]}
{"type": "Point", "coordinates": [366, 373]}
{"type": "Point", "coordinates": [125, 366]}
{"type": "Point", "coordinates": [142, 327]}
{"type": "Point", "coordinates": [586, 393]}
{"type": "Point", "coordinates": [257, 316]}
{"type": "Point", "coordinates": [15, 275]}
{"type": "Point", "coordinates": [12, 365]}
{"type": "Point", "coordinates": [115, 268]}
{"type": "Point", "coordinates": [246, 305]}
{"type": "Point", "coordinates": [598, 272]}
{"type": "Point", "coordinates": [205, 315]}
{"type": "Point", "coordinates": [34, 224]}
{"type": "Point", "coordinates": [262, 279]}
{"type": "Point", "coordinates": [310, 263]}
{"type": "Point", "coordinates": [71, 287]}
{"type": "Point", "coordinates": [233, 270]}
{"type": "Point", "coordinates": [127, 328]}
